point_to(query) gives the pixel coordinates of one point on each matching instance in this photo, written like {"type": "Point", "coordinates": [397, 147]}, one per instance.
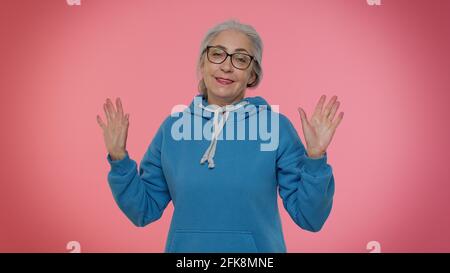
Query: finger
{"type": "Point", "coordinates": [119, 107]}
{"type": "Point", "coordinates": [125, 123]}
{"type": "Point", "coordinates": [327, 109]}
{"type": "Point", "coordinates": [334, 110]}
{"type": "Point", "coordinates": [319, 105]}
{"type": "Point", "coordinates": [303, 116]}
{"type": "Point", "coordinates": [100, 122]}
{"type": "Point", "coordinates": [110, 106]}
{"type": "Point", "coordinates": [108, 116]}
{"type": "Point", "coordinates": [338, 120]}
{"type": "Point", "coordinates": [127, 116]}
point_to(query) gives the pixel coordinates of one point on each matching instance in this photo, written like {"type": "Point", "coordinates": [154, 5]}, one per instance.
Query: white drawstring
{"type": "Point", "coordinates": [217, 128]}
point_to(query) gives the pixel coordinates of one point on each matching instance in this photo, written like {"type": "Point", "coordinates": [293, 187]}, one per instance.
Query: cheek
{"type": "Point", "coordinates": [208, 72]}
{"type": "Point", "coordinates": [244, 78]}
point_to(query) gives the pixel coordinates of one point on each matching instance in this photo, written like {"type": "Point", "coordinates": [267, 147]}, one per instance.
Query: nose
{"type": "Point", "coordinates": [226, 65]}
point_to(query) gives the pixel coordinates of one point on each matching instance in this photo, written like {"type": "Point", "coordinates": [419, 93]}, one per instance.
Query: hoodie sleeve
{"type": "Point", "coordinates": [141, 196]}
{"type": "Point", "coordinates": [306, 185]}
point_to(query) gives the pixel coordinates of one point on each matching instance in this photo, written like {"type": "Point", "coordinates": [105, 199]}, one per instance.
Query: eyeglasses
{"type": "Point", "coordinates": [218, 55]}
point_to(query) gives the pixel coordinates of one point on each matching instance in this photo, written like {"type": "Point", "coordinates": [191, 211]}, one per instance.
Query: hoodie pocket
{"type": "Point", "coordinates": [212, 241]}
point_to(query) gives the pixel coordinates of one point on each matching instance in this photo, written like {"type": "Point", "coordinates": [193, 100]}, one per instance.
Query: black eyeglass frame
{"type": "Point", "coordinates": [252, 58]}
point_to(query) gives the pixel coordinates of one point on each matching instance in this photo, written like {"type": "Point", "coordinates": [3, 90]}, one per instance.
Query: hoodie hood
{"type": "Point", "coordinates": [252, 105]}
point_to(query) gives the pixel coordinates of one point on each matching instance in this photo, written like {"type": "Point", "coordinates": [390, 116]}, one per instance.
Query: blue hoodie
{"type": "Point", "coordinates": [229, 204]}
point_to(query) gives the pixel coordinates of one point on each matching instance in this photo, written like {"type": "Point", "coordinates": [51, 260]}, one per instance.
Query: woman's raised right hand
{"type": "Point", "coordinates": [115, 131]}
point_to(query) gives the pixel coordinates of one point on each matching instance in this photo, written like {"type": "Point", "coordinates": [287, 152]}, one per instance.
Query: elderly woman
{"type": "Point", "coordinates": [230, 203]}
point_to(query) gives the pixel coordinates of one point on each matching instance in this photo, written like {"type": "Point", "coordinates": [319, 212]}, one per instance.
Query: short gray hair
{"type": "Point", "coordinates": [245, 29]}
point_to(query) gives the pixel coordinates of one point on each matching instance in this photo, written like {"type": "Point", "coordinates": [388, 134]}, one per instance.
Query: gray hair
{"type": "Point", "coordinates": [245, 29]}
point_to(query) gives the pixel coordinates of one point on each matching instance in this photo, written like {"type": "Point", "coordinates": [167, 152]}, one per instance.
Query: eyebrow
{"type": "Point", "coordinates": [237, 49]}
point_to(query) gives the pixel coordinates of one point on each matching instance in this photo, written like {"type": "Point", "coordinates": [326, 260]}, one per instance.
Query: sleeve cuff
{"type": "Point", "coordinates": [122, 166]}
{"type": "Point", "coordinates": [313, 165]}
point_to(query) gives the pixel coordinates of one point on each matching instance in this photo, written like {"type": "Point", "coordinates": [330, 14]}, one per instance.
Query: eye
{"type": "Point", "coordinates": [216, 53]}
{"type": "Point", "coordinates": [242, 59]}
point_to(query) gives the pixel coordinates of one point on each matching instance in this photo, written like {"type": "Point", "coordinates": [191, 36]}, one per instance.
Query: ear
{"type": "Point", "coordinates": [252, 79]}
{"type": "Point", "coordinates": [201, 68]}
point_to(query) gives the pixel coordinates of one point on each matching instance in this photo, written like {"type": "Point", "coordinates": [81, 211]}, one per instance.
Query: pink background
{"type": "Point", "coordinates": [389, 65]}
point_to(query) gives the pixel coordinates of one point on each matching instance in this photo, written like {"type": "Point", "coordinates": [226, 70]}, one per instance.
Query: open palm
{"type": "Point", "coordinates": [115, 131]}
{"type": "Point", "coordinates": [320, 128]}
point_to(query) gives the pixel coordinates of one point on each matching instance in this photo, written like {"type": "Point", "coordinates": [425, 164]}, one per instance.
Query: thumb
{"type": "Point", "coordinates": [303, 115]}
{"type": "Point", "coordinates": [305, 123]}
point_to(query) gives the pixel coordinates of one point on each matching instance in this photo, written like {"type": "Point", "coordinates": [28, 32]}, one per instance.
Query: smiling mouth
{"type": "Point", "coordinates": [224, 81]}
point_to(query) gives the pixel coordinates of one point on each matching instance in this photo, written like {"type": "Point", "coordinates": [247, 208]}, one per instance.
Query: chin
{"type": "Point", "coordinates": [222, 92]}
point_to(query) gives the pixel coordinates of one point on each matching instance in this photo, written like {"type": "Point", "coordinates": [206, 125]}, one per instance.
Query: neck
{"type": "Point", "coordinates": [225, 101]}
